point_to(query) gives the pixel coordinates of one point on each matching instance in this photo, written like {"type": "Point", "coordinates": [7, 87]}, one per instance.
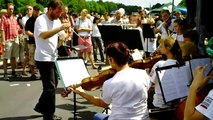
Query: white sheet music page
{"type": "Point", "coordinates": [137, 55]}
{"type": "Point", "coordinates": [71, 71]}
{"type": "Point", "coordinates": [174, 82]}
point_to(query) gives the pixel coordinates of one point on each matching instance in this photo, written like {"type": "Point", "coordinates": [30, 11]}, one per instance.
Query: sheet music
{"type": "Point", "coordinates": [201, 61]}
{"type": "Point", "coordinates": [174, 82]}
{"type": "Point", "coordinates": [138, 55]}
{"type": "Point", "coordinates": [71, 71]}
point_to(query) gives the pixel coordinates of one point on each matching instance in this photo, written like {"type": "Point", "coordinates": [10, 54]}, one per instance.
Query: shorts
{"type": "Point", "coordinates": [26, 47]}
{"type": "Point", "coordinates": [86, 41]}
{"type": "Point", "coordinates": [31, 48]}
{"type": "Point", "coordinates": [11, 49]}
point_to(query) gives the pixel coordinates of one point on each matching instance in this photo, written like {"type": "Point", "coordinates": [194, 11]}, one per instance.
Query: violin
{"type": "Point", "coordinates": [167, 24]}
{"type": "Point", "coordinates": [96, 82]}
{"type": "Point", "coordinates": [92, 83]}
{"type": "Point", "coordinates": [146, 63]}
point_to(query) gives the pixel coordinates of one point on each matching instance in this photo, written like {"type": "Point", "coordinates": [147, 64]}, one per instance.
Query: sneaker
{"type": "Point", "coordinates": [15, 75]}
{"type": "Point", "coordinates": [6, 76]}
{"type": "Point", "coordinates": [99, 68]}
{"type": "Point", "coordinates": [24, 73]}
{"type": "Point", "coordinates": [94, 67]}
{"type": "Point", "coordinates": [57, 117]}
{"type": "Point", "coordinates": [54, 117]}
{"type": "Point", "coordinates": [33, 77]}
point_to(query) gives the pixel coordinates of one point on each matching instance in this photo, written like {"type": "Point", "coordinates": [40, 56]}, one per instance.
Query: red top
{"type": "Point", "coordinates": [10, 27]}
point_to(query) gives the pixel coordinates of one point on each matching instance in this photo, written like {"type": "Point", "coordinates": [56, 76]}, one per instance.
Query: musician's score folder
{"type": "Point", "coordinates": [173, 81]}
{"type": "Point", "coordinates": [202, 61]}
{"type": "Point", "coordinates": [71, 70]}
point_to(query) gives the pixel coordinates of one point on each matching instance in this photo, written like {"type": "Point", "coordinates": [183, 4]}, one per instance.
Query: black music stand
{"type": "Point", "coordinates": [109, 33]}
{"type": "Point", "coordinates": [148, 33]}
{"type": "Point", "coordinates": [71, 66]}
{"type": "Point", "coordinates": [131, 38]}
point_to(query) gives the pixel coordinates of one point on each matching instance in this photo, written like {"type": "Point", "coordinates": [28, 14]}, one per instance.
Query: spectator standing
{"type": "Point", "coordinates": [10, 40]}
{"type": "Point", "coordinates": [29, 30]}
{"type": "Point", "coordinates": [24, 51]}
{"type": "Point", "coordinates": [106, 20]}
{"type": "Point", "coordinates": [84, 28]}
{"type": "Point", "coordinates": [119, 20]}
{"type": "Point", "coordinates": [97, 40]}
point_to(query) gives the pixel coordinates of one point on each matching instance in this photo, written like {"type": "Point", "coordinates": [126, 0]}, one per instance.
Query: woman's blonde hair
{"type": "Point", "coordinates": [168, 42]}
{"type": "Point", "coordinates": [190, 50]}
{"type": "Point", "coordinates": [173, 46]}
{"type": "Point", "coordinates": [84, 10]}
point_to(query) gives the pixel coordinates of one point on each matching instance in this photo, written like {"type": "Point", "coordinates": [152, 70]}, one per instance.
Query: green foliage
{"type": "Point", "coordinates": [182, 3]}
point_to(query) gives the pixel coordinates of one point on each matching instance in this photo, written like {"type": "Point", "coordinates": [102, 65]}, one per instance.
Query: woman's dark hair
{"type": "Point", "coordinates": [177, 52]}
{"type": "Point", "coordinates": [119, 52]}
{"type": "Point", "coordinates": [192, 35]}
{"type": "Point", "coordinates": [180, 23]}
{"type": "Point", "coordinates": [95, 18]}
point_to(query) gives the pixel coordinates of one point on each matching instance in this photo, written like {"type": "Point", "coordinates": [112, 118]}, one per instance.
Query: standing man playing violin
{"type": "Point", "coordinates": [126, 91]}
{"type": "Point", "coordinates": [47, 30]}
{"type": "Point", "coordinates": [166, 27]}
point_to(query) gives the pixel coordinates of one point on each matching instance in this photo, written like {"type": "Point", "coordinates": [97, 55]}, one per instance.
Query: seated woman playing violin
{"type": "Point", "coordinates": [126, 91]}
{"type": "Point", "coordinates": [171, 49]}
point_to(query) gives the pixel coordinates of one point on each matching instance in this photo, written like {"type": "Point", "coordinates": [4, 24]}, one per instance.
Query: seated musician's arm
{"type": "Point", "coordinates": [190, 113]}
{"type": "Point", "coordinates": [92, 99]}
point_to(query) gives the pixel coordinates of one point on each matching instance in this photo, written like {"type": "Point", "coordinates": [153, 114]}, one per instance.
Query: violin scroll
{"type": "Point", "coordinates": [65, 93]}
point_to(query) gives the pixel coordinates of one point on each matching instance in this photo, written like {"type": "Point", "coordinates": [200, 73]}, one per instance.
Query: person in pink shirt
{"type": "Point", "coordinates": [10, 30]}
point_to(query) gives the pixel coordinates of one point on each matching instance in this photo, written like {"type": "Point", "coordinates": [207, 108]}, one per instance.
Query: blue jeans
{"type": "Point", "coordinates": [100, 116]}
{"type": "Point", "coordinates": [98, 42]}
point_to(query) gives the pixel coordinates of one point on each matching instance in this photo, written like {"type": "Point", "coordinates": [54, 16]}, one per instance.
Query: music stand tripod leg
{"type": "Point", "coordinates": [74, 105]}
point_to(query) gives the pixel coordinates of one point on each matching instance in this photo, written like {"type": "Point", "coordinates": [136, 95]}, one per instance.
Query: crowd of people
{"type": "Point", "coordinates": [37, 39]}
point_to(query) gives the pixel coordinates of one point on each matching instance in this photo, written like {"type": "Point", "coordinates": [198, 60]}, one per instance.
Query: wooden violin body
{"type": "Point", "coordinates": [92, 83]}
{"type": "Point", "coordinates": [146, 63]}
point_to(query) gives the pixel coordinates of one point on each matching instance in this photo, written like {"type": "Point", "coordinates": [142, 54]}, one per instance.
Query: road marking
{"type": "Point", "coordinates": [14, 85]}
